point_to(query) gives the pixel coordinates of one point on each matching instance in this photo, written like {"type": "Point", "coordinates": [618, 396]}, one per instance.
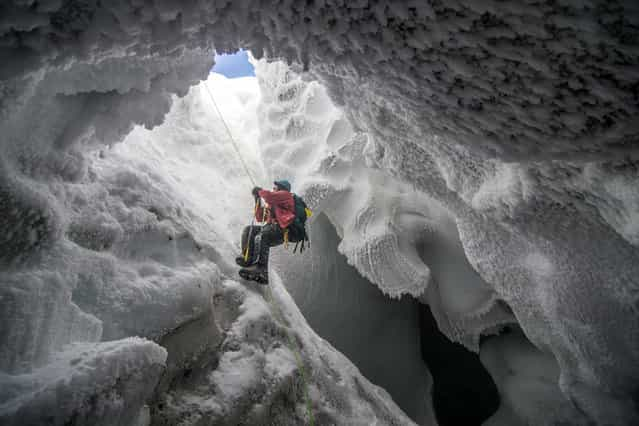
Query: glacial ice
{"type": "Point", "coordinates": [510, 127]}
{"type": "Point", "coordinates": [146, 253]}
{"type": "Point", "coordinates": [358, 320]}
{"type": "Point", "coordinates": [526, 378]}
{"type": "Point", "coordinates": [400, 239]}
{"type": "Point", "coordinates": [88, 383]}
{"type": "Point", "coordinates": [257, 379]}
{"type": "Point", "coordinates": [431, 245]}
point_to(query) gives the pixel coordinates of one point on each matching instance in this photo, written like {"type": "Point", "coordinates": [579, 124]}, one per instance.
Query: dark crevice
{"type": "Point", "coordinates": [378, 334]}
{"type": "Point", "coordinates": [463, 391]}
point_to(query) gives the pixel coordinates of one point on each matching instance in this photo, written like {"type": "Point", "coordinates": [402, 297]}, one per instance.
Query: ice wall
{"type": "Point", "coordinates": [151, 227]}
{"type": "Point", "coordinates": [255, 376]}
{"type": "Point", "coordinates": [236, 365]}
{"type": "Point", "coordinates": [379, 335]}
{"type": "Point", "coordinates": [519, 119]}
{"type": "Point", "coordinates": [421, 242]}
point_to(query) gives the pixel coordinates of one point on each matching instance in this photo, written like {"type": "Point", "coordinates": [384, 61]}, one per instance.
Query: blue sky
{"type": "Point", "coordinates": [235, 65]}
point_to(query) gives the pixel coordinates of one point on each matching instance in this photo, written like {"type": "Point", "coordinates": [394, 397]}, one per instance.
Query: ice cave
{"type": "Point", "coordinates": [473, 171]}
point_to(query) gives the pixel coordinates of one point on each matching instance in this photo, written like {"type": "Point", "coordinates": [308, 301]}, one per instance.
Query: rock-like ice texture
{"type": "Point", "coordinates": [195, 154]}
{"type": "Point", "coordinates": [88, 384]}
{"type": "Point", "coordinates": [359, 320]}
{"type": "Point", "coordinates": [257, 378]}
{"type": "Point", "coordinates": [135, 255]}
{"type": "Point", "coordinates": [446, 92]}
{"type": "Point", "coordinates": [400, 239]}
{"type": "Point", "coordinates": [527, 380]}
{"type": "Point", "coordinates": [431, 245]}
{"type": "Point", "coordinates": [146, 250]}
{"type": "Point", "coordinates": [298, 118]}
{"type": "Point", "coordinates": [246, 371]}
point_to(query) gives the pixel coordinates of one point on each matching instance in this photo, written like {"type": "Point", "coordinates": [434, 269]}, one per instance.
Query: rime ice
{"type": "Point", "coordinates": [483, 160]}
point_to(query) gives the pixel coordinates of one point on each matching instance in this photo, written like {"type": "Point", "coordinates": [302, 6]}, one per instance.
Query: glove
{"type": "Point", "coordinates": [256, 191]}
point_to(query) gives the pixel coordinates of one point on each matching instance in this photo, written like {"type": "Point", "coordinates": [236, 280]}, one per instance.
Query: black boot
{"type": "Point", "coordinates": [257, 268]}
{"type": "Point", "coordinates": [241, 262]}
{"type": "Point", "coordinates": [256, 272]}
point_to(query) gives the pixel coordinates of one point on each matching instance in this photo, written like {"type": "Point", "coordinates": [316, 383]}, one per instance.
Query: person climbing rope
{"type": "Point", "coordinates": [257, 240]}
{"type": "Point", "coordinates": [281, 226]}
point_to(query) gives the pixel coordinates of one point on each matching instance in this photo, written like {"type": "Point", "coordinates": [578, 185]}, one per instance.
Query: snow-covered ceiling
{"type": "Point", "coordinates": [519, 79]}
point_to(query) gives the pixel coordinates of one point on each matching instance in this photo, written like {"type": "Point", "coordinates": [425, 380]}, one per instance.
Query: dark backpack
{"type": "Point", "coordinates": [298, 226]}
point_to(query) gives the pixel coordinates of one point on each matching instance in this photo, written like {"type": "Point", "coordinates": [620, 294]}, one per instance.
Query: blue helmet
{"type": "Point", "coordinates": [283, 184]}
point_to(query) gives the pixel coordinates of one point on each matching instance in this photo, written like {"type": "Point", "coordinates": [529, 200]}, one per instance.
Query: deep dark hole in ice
{"type": "Point", "coordinates": [463, 391]}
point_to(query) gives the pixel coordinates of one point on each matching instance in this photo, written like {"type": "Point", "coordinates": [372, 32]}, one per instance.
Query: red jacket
{"type": "Point", "coordinates": [282, 207]}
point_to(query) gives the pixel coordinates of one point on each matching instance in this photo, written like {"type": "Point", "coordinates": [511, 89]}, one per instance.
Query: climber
{"type": "Point", "coordinates": [278, 215]}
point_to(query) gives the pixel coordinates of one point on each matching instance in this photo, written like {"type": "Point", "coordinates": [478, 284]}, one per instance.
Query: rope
{"type": "Point", "coordinates": [246, 170]}
{"type": "Point", "coordinates": [276, 311]}
{"type": "Point", "coordinates": [296, 352]}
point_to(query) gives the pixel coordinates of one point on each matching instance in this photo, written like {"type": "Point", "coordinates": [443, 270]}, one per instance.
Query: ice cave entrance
{"type": "Point", "coordinates": [462, 126]}
{"type": "Point", "coordinates": [278, 120]}
{"type": "Point", "coordinates": [234, 65]}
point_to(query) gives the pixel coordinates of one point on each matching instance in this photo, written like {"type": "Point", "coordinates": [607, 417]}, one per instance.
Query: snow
{"type": "Point", "coordinates": [135, 259]}
{"type": "Point", "coordinates": [258, 379]}
{"type": "Point", "coordinates": [91, 383]}
{"type": "Point", "coordinates": [521, 136]}
{"type": "Point", "coordinates": [194, 139]}
{"type": "Point", "coordinates": [527, 378]}
{"type": "Point", "coordinates": [361, 214]}
{"type": "Point", "coordinates": [146, 252]}
{"type": "Point", "coordinates": [358, 320]}
{"type": "Point", "coordinates": [382, 410]}
{"type": "Point", "coordinates": [398, 238]}
{"type": "Point", "coordinates": [488, 244]}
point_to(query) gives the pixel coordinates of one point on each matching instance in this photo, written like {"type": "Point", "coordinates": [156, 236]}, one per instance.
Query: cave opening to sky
{"type": "Point", "coordinates": [233, 65]}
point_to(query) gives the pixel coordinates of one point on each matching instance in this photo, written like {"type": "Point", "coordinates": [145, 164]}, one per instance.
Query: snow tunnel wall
{"type": "Point", "coordinates": [380, 336]}
{"type": "Point", "coordinates": [408, 241]}
{"type": "Point", "coordinates": [518, 119]}
{"type": "Point", "coordinates": [151, 241]}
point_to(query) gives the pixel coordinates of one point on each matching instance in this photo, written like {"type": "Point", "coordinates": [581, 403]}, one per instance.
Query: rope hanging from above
{"type": "Point", "coordinates": [277, 312]}
{"type": "Point", "coordinates": [239, 154]}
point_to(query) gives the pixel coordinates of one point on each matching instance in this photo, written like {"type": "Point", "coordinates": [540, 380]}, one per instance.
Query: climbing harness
{"type": "Point", "coordinates": [296, 353]}
{"type": "Point", "coordinates": [274, 308]}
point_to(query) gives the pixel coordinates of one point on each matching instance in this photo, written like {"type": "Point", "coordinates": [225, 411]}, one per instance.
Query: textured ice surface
{"type": "Point", "coordinates": [298, 118]}
{"type": "Point", "coordinates": [527, 381]}
{"type": "Point", "coordinates": [87, 384]}
{"type": "Point", "coordinates": [445, 92]}
{"type": "Point", "coordinates": [135, 256]}
{"type": "Point", "coordinates": [246, 370]}
{"type": "Point", "coordinates": [400, 239]}
{"type": "Point", "coordinates": [359, 320]}
{"type": "Point", "coordinates": [257, 379]}
{"type": "Point", "coordinates": [485, 244]}
{"type": "Point", "coordinates": [147, 244]}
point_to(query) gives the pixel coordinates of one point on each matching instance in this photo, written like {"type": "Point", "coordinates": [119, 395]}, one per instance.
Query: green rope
{"type": "Point", "coordinates": [239, 154]}
{"type": "Point", "coordinates": [276, 311]}
{"type": "Point", "coordinates": [298, 356]}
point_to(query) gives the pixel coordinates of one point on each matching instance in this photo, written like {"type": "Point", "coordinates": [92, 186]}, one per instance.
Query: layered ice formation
{"type": "Point", "coordinates": [483, 160]}
{"type": "Point", "coordinates": [152, 226]}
